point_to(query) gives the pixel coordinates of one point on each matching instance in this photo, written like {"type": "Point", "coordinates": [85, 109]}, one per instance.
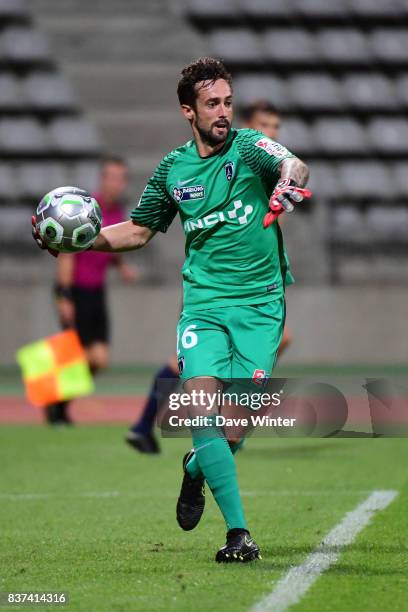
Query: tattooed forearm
{"type": "Point", "coordinates": [294, 168]}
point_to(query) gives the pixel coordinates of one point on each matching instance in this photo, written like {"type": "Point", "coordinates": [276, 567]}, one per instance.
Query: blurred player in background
{"type": "Point", "coordinates": [80, 284]}
{"type": "Point", "coordinates": [263, 116]}
{"type": "Point", "coordinates": [260, 115]}
{"type": "Point", "coordinates": [140, 436]}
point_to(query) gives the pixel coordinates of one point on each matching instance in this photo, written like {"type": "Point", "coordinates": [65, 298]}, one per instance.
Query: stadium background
{"type": "Point", "coordinates": [79, 510]}
{"type": "Point", "coordinates": [81, 79]}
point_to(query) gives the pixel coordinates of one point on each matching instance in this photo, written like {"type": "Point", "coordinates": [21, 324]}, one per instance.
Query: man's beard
{"type": "Point", "coordinates": [211, 139]}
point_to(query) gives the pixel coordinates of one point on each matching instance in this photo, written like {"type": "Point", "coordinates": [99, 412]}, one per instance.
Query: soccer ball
{"type": "Point", "coordinates": [68, 219]}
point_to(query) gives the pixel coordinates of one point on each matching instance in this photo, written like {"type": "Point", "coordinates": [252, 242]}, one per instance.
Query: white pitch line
{"type": "Point", "coordinates": [108, 494]}
{"type": "Point", "coordinates": [306, 492]}
{"type": "Point", "coordinates": [35, 496]}
{"type": "Point", "coordinates": [103, 494]}
{"type": "Point", "coordinates": [161, 494]}
{"type": "Point", "coordinates": [292, 587]}
{"type": "Point", "coordinates": [23, 496]}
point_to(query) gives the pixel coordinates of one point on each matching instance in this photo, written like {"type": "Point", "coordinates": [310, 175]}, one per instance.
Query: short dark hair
{"type": "Point", "coordinates": [248, 111]}
{"type": "Point", "coordinates": [203, 69]}
{"type": "Point", "coordinates": [114, 159]}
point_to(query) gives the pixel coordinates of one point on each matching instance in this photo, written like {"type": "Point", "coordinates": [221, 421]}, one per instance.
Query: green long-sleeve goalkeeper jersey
{"type": "Point", "coordinates": [222, 199]}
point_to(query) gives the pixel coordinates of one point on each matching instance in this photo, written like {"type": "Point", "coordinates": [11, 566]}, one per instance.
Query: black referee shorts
{"type": "Point", "coordinates": [91, 315]}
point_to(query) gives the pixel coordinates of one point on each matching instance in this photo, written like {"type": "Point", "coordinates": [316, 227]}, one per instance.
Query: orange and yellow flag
{"type": "Point", "coordinates": [55, 369]}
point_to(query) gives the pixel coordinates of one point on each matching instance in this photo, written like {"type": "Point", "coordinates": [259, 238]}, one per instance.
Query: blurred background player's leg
{"type": "Point", "coordinates": [286, 340]}
{"type": "Point", "coordinates": [90, 319]}
{"type": "Point", "coordinates": [140, 436]}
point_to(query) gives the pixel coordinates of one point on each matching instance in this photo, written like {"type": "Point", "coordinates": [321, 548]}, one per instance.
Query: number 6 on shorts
{"type": "Point", "coordinates": [188, 339]}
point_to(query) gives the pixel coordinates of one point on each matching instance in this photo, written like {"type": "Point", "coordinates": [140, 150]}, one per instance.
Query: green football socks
{"type": "Point", "coordinates": [214, 459]}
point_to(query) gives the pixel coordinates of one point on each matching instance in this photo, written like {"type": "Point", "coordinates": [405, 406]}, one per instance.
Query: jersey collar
{"type": "Point", "coordinates": [232, 134]}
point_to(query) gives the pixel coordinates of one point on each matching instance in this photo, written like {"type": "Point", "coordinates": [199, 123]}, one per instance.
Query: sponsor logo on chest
{"type": "Point", "coordinates": [190, 192]}
{"type": "Point", "coordinates": [239, 214]}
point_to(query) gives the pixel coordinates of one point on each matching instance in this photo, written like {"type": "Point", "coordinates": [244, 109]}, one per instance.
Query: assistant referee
{"type": "Point", "coordinates": [80, 289]}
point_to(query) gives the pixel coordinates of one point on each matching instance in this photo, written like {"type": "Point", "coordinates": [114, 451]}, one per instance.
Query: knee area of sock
{"type": "Point", "coordinates": [214, 451]}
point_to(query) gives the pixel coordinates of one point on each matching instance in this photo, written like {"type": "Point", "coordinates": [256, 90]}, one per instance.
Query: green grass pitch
{"type": "Point", "coordinates": [80, 512]}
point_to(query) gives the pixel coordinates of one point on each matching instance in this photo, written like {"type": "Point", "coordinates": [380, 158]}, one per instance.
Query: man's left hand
{"type": "Point", "coordinates": [285, 195]}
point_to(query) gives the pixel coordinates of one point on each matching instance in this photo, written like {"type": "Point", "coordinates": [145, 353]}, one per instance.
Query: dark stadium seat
{"type": "Point", "coordinates": [324, 180]}
{"type": "Point", "coordinates": [212, 8]}
{"type": "Point", "coordinates": [250, 87]}
{"type": "Point", "coordinates": [387, 223]}
{"type": "Point", "coordinates": [390, 45]}
{"type": "Point", "coordinates": [13, 218]}
{"type": "Point", "coordinates": [23, 136]}
{"type": "Point", "coordinates": [74, 135]}
{"type": "Point", "coordinates": [11, 94]}
{"type": "Point", "coordinates": [389, 135]}
{"type": "Point", "coordinates": [313, 92]}
{"type": "Point", "coordinates": [24, 44]}
{"type": "Point", "coordinates": [374, 8]}
{"type": "Point", "coordinates": [403, 7]}
{"type": "Point", "coordinates": [37, 178]}
{"type": "Point", "coordinates": [47, 90]}
{"type": "Point", "coordinates": [12, 8]}
{"type": "Point", "coordinates": [8, 182]}
{"type": "Point", "coordinates": [348, 221]}
{"type": "Point", "coordinates": [370, 92]}
{"type": "Point", "coordinates": [402, 90]}
{"type": "Point", "coordinates": [340, 136]}
{"type": "Point", "coordinates": [262, 9]}
{"type": "Point", "coordinates": [288, 46]}
{"type": "Point", "coordinates": [237, 45]}
{"type": "Point", "coordinates": [320, 8]}
{"type": "Point", "coordinates": [343, 45]}
{"type": "Point", "coordinates": [296, 135]}
{"type": "Point", "coordinates": [364, 179]}
{"type": "Point", "coordinates": [399, 172]}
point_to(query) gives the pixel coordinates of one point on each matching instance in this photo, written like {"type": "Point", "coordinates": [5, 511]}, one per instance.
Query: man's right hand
{"type": "Point", "coordinates": [40, 242]}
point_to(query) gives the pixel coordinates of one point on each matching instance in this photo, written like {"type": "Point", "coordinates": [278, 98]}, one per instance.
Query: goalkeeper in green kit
{"type": "Point", "coordinates": [229, 187]}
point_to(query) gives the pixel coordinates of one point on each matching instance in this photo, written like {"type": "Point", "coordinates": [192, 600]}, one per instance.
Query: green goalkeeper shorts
{"type": "Point", "coordinates": [230, 342]}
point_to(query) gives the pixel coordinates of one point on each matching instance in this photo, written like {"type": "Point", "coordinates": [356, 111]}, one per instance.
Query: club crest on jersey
{"type": "Point", "coordinates": [192, 192]}
{"type": "Point", "coordinates": [229, 170]}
